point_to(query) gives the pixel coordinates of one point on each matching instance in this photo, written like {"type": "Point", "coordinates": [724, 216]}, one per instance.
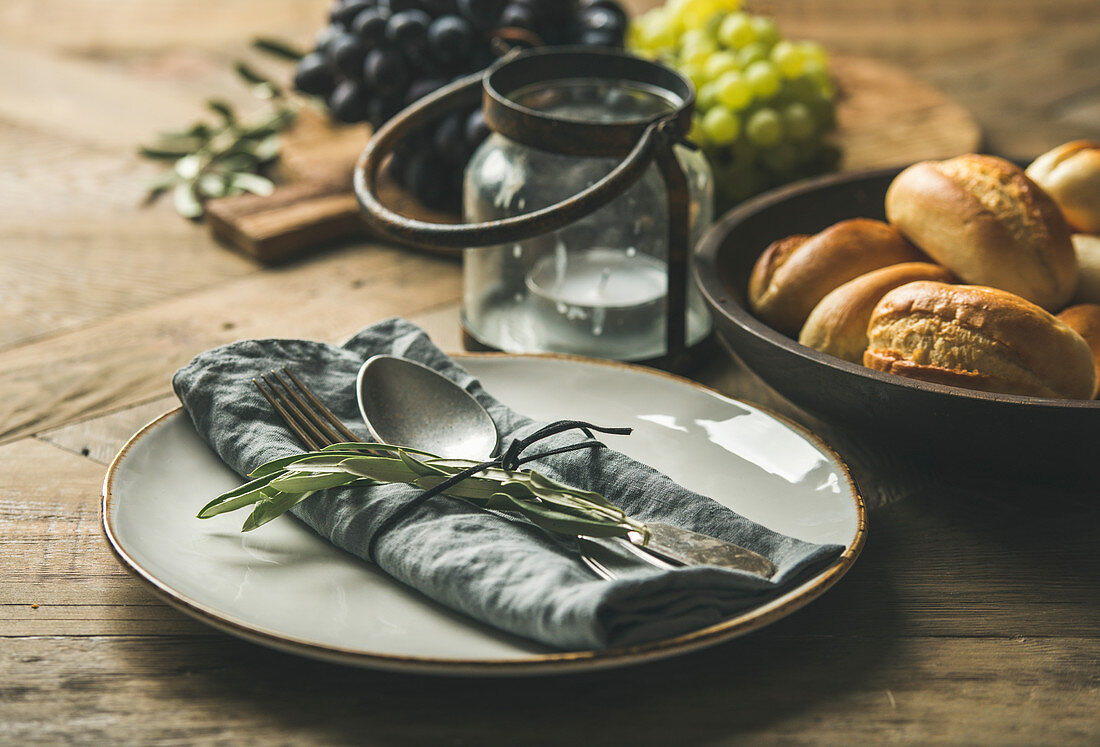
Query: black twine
{"type": "Point", "coordinates": [511, 460]}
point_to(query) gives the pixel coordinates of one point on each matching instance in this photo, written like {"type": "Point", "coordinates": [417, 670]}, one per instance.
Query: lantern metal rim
{"type": "Point", "coordinates": [550, 132]}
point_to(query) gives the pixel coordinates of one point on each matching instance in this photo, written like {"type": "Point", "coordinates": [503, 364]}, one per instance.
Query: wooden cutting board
{"type": "Point", "coordinates": [885, 118]}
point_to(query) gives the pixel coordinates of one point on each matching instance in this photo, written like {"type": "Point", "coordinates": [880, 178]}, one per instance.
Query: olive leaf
{"type": "Point", "coordinates": [160, 184]}
{"type": "Point", "coordinates": [213, 185]}
{"type": "Point", "coordinates": [186, 201]}
{"type": "Point", "coordinates": [223, 109]}
{"type": "Point", "coordinates": [244, 70]}
{"type": "Point", "coordinates": [273, 508]}
{"type": "Point", "coordinates": [310, 482]}
{"type": "Point", "coordinates": [267, 148]}
{"type": "Point", "coordinates": [253, 183]}
{"type": "Point", "coordinates": [277, 48]}
{"type": "Point", "coordinates": [164, 152]}
{"type": "Point", "coordinates": [236, 498]}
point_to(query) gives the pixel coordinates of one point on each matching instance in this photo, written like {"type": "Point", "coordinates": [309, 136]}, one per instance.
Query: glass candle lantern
{"type": "Point", "coordinates": [580, 207]}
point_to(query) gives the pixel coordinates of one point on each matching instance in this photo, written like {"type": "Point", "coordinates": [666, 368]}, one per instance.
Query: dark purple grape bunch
{"type": "Point", "coordinates": [378, 56]}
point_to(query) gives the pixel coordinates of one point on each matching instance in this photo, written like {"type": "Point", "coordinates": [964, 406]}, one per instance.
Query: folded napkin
{"type": "Point", "coordinates": [498, 569]}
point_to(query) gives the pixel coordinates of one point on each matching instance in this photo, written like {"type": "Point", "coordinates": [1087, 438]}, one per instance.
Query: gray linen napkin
{"type": "Point", "coordinates": [502, 571]}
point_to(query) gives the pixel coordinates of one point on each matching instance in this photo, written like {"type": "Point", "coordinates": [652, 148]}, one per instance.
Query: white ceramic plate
{"type": "Point", "coordinates": [287, 588]}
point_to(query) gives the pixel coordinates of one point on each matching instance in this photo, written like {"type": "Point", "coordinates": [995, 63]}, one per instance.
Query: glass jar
{"type": "Point", "coordinates": [581, 207]}
{"type": "Point", "coordinates": [598, 286]}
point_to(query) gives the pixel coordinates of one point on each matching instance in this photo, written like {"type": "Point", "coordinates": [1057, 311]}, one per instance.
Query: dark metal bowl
{"type": "Point", "coordinates": [923, 418]}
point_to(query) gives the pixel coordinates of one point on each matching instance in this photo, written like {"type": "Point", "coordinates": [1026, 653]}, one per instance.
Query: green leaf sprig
{"type": "Point", "coordinates": [281, 484]}
{"type": "Point", "coordinates": [230, 155]}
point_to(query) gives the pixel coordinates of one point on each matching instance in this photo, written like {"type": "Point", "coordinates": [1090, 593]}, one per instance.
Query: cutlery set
{"type": "Point", "coordinates": [404, 403]}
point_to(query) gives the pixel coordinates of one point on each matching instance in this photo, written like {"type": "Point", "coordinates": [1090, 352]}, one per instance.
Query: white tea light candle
{"type": "Point", "coordinates": [599, 301]}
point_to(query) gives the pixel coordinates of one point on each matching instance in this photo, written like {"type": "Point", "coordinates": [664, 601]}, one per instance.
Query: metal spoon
{"type": "Point", "coordinates": [408, 404]}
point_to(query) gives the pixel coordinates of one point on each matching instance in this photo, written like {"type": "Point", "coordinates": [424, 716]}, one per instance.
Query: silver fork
{"type": "Point", "coordinates": [316, 426]}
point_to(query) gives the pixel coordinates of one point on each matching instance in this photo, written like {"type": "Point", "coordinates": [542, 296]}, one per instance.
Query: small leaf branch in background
{"type": "Point", "coordinates": [230, 155]}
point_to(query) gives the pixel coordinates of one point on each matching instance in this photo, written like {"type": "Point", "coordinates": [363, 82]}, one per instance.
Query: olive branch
{"type": "Point", "coordinates": [281, 484]}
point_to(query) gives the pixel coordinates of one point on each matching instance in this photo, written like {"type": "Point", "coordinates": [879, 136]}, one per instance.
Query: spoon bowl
{"type": "Point", "coordinates": [393, 395]}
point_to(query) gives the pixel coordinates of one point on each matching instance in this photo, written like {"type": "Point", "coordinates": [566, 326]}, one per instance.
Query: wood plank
{"type": "Point", "coordinates": [48, 178]}
{"type": "Point", "coordinates": [60, 577]}
{"type": "Point", "coordinates": [49, 518]}
{"type": "Point", "coordinates": [139, 25]}
{"type": "Point", "coordinates": [83, 102]}
{"type": "Point", "coordinates": [947, 43]}
{"type": "Point", "coordinates": [916, 29]}
{"type": "Point", "coordinates": [78, 245]}
{"type": "Point", "coordinates": [315, 202]}
{"type": "Point", "coordinates": [765, 688]}
{"type": "Point", "coordinates": [100, 438]}
{"type": "Point", "coordinates": [879, 25]}
{"type": "Point", "coordinates": [130, 358]}
{"type": "Point", "coordinates": [74, 272]}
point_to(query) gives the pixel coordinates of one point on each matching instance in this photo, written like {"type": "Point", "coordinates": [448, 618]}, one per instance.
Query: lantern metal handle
{"type": "Point", "coordinates": [657, 136]}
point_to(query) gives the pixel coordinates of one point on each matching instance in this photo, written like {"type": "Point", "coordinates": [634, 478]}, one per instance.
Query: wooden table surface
{"type": "Point", "coordinates": [973, 614]}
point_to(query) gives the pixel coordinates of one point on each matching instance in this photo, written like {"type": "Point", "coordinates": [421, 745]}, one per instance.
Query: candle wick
{"type": "Point", "coordinates": [604, 277]}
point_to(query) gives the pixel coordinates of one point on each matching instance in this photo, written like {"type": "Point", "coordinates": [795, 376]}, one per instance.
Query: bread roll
{"type": "Point", "coordinates": [1084, 319]}
{"type": "Point", "coordinates": [794, 273]}
{"type": "Point", "coordinates": [838, 324]}
{"type": "Point", "coordinates": [978, 338]}
{"type": "Point", "coordinates": [1071, 175]}
{"type": "Point", "coordinates": [984, 220]}
{"type": "Point", "coordinates": [1087, 248]}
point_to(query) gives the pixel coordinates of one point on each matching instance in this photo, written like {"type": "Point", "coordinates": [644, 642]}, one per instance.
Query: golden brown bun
{"type": "Point", "coordinates": [1087, 248]}
{"type": "Point", "coordinates": [794, 273]}
{"type": "Point", "coordinates": [1084, 319]}
{"type": "Point", "coordinates": [984, 220]}
{"type": "Point", "coordinates": [1071, 175]}
{"type": "Point", "coordinates": [978, 338]}
{"type": "Point", "coordinates": [838, 324]}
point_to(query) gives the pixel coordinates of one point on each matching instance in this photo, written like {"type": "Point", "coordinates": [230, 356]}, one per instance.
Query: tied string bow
{"type": "Point", "coordinates": [512, 459]}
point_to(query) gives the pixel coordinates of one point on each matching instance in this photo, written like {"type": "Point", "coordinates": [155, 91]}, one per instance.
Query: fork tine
{"type": "Point", "coordinates": [320, 407]}
{"type": "Point", "coordinates": [292, 423]}
{"type": "Point", "coordinates": [306, 418]}
{"type": "Point", "coordinates": [598, 568]}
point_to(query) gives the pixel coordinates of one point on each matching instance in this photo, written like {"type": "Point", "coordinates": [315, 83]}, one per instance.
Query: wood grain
{"type": "Point", "coordinates": [42, 562]}
{"type": "Point", "coordinates": [154, 25]}
{"type": "Point", "coordinates": [769, 688]}
{"type": "Point", "coordinates": [84, 102]}
{"type": "Point", "coordinates": [130, 358]}
{"type": "Point", "coordinates": [972, 616]}
{"type": "Point", "coordinates": [99, 439]}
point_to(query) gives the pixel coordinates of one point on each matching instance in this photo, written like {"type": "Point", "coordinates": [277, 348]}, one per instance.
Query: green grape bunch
{"type": "Point", "coordinates": [765, 106]}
